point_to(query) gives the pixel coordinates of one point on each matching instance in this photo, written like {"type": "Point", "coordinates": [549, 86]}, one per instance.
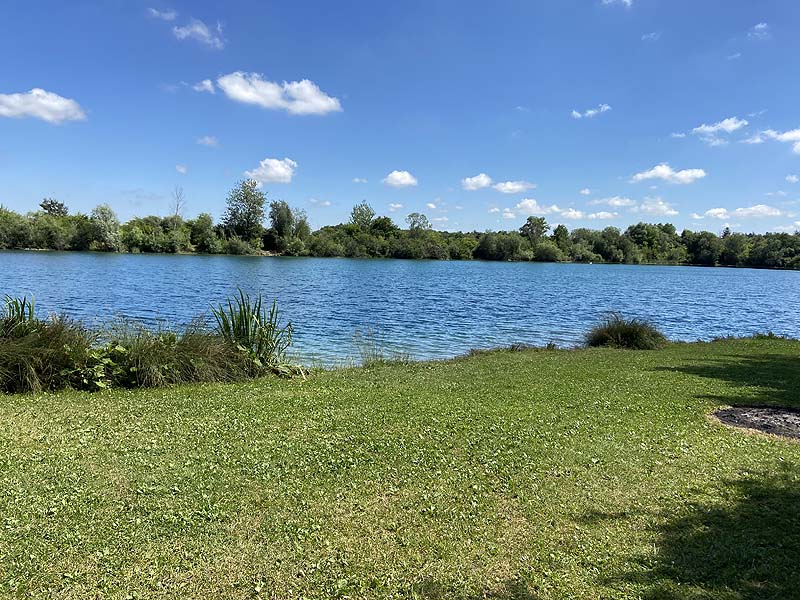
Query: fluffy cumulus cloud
{"type": "Point", "coordinates": [394, 206]}
{"type": "Point", "coordinates": [530, 207]}
{"type": "Point", "coordinates": [668, 174]}
{"type": "Point", "coordinates": [40, 104]}
{"type": "Point", "coordinates": [585, 192]}
{"type": "Point", "coordinates": [400, 179]}
{"type": "Point", "coordinates": [757, 211]}
{"type": "Point", "coordinates": [655, 207]}
{"type": "Point", "coordinates": [198, 31]}
{"type": "Point", "coordinates": [273, 170]}
{"type": "Point", "coordinates": [493, 209]}
{"type": "Point", "coordinates": [204, 86]}
{"type": "Point", "coordinates": [208, 140]}
{"type": "Point", "coordinates": [296, 97]}
{"type": "Point", "coordinates": [571, 213]}
{"type": "Point", "coordinates": [712, 134]}
{"type": "Point", "coordinates": [603, 215]}
{"type": "Point", "coordinates": [164, 15]}
{"type": "Point", "coordinates": [431, 205]}
{"type": "Point", "coordinates": [318, 202]}
{"type": "Point", "coordinates": [592, 112]}
{"type": "Point", "coordinates": [513, 187]}
{"type": "Point", "coordinates": [792, 178]}
{"type": "Point", "coordinates": [615, 201]}
{"type": "Point", "coordinates": [478, 182]}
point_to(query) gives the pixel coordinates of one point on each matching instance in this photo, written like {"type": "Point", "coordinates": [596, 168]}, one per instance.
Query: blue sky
{"type": "Point", "coordinates": [588, 112]}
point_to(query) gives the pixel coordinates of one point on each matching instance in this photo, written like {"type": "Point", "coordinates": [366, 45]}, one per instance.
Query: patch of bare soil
{"type": "Point", "coordinates": [777, 421]}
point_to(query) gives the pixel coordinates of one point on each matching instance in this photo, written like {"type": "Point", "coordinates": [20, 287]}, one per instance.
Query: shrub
{"type": "Point", "coordinates": [617, 332]}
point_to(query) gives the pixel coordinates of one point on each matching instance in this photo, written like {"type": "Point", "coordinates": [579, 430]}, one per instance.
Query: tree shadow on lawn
{"type": "Point", "coordinates": [746, 549]}
{"type": "Point", "coordinates": [765, 379]}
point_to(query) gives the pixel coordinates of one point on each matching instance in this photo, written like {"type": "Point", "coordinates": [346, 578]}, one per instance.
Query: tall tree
{"type": "Point", "coordinates": [362, 215]}
{"type": "Point", "coordinates": [244, 213]}
{"type": "Point", "coordinates": [417, 222]}
{"type": "Point", "coordinates": [106, 226]}
{"type": "Point", "coordinates": [534, 229]}
{"type": "Point", "coordinates": [53, 207]}
{"type": "Point", "coordinates": [282, 219]}
{"type": "Point", "coordinates": [178, 203]}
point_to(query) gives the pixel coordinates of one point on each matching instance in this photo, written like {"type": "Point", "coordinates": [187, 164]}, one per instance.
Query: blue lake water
{"type": "Point", "coordinates": [428, 309]}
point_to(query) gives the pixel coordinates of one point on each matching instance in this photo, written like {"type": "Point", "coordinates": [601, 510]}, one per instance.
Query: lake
{"type": "Point", "coordinates": [428, 309]}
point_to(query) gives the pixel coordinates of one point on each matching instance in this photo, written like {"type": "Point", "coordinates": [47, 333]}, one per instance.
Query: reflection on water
{"type": "Point", "coordinates": [427, 309]}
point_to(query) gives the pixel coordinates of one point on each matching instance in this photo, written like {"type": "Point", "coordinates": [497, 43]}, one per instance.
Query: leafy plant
{"type": "Point", "coordinates": [19, 319]}
{"type": "Point", "coordinates": [618, 332]}
{"type": "Point", "coordinates": [246, 324]}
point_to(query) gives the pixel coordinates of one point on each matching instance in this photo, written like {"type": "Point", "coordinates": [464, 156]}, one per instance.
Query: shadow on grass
{"type": "Point", "coordinates": [745, 548]}
{"type": "Point", "coordinates": [513, 589]}
{"type": "Point", "coordinates": [764, 379]}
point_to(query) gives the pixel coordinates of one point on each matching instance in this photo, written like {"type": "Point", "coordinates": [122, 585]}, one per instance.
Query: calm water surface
{"type": "Point", "coordinates": [428, 309]}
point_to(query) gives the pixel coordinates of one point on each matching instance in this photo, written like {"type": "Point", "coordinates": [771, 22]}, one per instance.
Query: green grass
{"type": "Point", "coordinates": [533, 474]}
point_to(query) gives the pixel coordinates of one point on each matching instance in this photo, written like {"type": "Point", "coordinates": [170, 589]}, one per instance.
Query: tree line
{"type": "Point", "coordinates": [253, 225]}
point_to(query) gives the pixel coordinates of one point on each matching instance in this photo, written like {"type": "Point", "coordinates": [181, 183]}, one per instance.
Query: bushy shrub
{"type": "Point", "coordinates": [618, 332]}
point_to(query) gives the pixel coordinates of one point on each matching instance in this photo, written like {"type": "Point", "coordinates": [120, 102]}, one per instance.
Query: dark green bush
{"type": "Point", "coordinates": [618, 332]}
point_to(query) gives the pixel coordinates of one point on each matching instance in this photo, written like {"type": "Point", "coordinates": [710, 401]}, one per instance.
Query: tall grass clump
{"type": "Point", "coordinates": [615, 331]}
{"type": "Point", "coordinates": [37, 355]}
{"type": "Point", "coordinates": [256, 332]}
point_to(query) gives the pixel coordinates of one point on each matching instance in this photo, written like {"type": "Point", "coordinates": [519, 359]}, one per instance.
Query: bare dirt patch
{"type": "Point", "coordinates": [776, 421]}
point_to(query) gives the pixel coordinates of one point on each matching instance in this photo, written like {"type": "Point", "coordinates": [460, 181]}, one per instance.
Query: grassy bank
{"type": "Point", "coordinates": [587, 474]}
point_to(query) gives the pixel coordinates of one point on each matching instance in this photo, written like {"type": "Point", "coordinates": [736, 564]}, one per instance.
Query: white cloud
{"type": "Point", "coordinates": [592, 112]}
{"type": "Point", "coordinates": [615, 201]}
{"type": "Point", "coordinates": [273, 170]}
{"type": "Point", "coordinates": [571, 213]}
{"type": "Point", "coordinates": [655, 207]}
{"type": "Point", "coordinates": [653, 36]}
{"type": "Point", "coordinates": [204, 86]}
{"type": "Point", "coordinates": [788, 228]}
{"type": "Point", "coordinates": [791, 136]}
{"type": "Point", "coordinates": [208, 140]}
{"type": "Point", "coordinates": [625, 3]}
{"type": "Point", "coordinates": [710, 134]}
{"type": "Point", "coordinates": [759, 32]}
{"type": "Point", "coordinates": [509, 214]}
{"type": "Point", "coordinates": [395, 206]}
{"type": "Point", "coordinates": [476, 183]}
{"type": "Point", "coordinates": [585, 192]}
{"type": "Point", "coordinates": [431, 205]}
{"type": "Point", "coordinates": [792, 178]}
{"type": "Point", "coordinates": [513, 187]}
{"type": "Point", "coordinates": [297, 97]}
{"type": "Point", "coordinates": [182, 169]}
{"type": "Point", "coordinates": [494, 209]}
{"type": "Point", "coordinates": [677, 135]}
{"type": "Point", "coordinates": [603, 214]}
{"type": "Point", "coordinates": [399, 179]}
{"type": "Point", "coordinates": [40, 104]}
{"type": "Point", "coordinates": [697, 216]}
{"type": "Point", "coordinates": [359, 180]}
{"type": "Point", "coordinates": [532, 207]}
{"type": "Point", "coordinates": [318, 202]}
{"type": "Point", "coordinates": [666, 173]}
{"type": "Point", "coordinates": [164, 15]}
{"type": "Point", "coordinates": [440, 219]}
{"type": "Point", "coordinates": [200, 32]}
{"type": "Point", "coordinates": [757, 211]}
{"type": "Point", "coordinates": [734, 56]}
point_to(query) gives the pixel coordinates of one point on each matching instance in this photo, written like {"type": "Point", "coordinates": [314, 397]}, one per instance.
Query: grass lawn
{"type": "Point", "coordinates": [534, 474]}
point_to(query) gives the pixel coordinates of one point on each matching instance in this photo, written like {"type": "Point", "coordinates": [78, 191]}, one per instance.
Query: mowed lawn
{"type": "Point", "coordinates": [533, 474]}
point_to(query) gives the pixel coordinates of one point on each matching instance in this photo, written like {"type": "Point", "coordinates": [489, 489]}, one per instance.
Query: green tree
{"type": "Point", "coordinates": [302, 230]}
{"type": "Point", "coordinates": [53, 207]}
{"type": "Point", "coordinates": [534, 229]}
{"type": "Point", "coordinates": [203, 235]}
{"type": "Point", "coordinates": [244, 213]}
{"type": "Point", "coordinates": [362, 215]}
{"type": "Point", "coordinates": [418, 223]}
{"type": "Point", "coordinates": [282, 219]}
{"type": "Point", "coordinates": [106, 225]}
